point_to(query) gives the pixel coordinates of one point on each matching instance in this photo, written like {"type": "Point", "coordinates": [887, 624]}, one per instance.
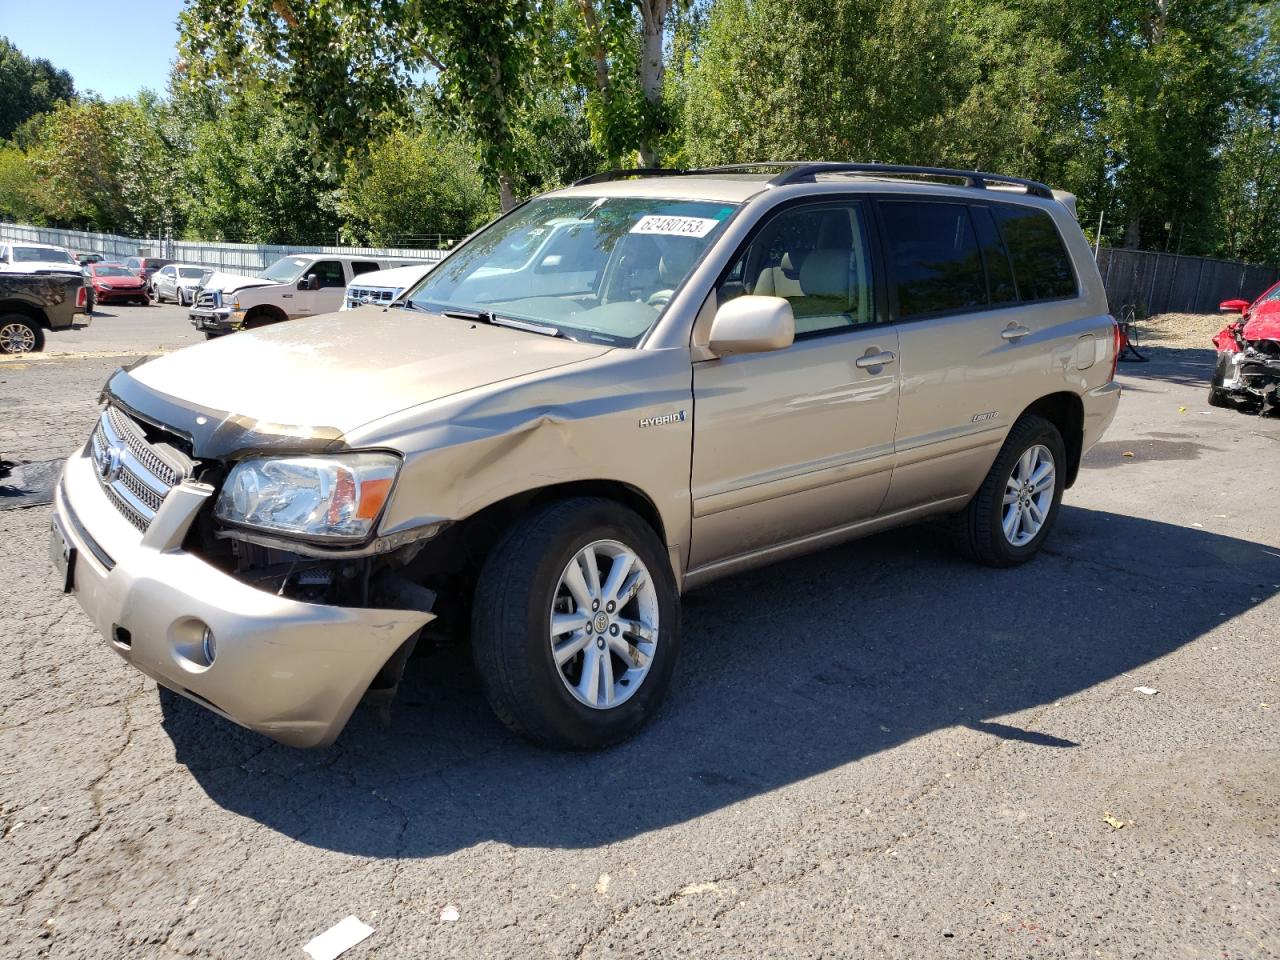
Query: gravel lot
{"type": "Point", "coordinates": [879, 750]}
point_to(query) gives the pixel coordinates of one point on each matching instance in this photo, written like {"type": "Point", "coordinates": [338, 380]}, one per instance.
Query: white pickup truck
{"type": "Point", "coordinates": [299, 285]}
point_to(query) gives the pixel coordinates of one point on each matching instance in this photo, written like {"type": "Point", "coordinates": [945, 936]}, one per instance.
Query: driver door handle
{"type": "Point", "coordinates": [1015, 331]}
{"type": "Point", "coordinates": [874, 359]}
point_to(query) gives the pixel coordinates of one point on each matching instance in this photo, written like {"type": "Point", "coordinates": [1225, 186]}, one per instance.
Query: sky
{"type": "Point", "coordinates": [113, 47]}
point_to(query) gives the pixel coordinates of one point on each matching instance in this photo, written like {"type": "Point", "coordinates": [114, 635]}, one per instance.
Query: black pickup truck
{"type": "Point", "coordinates": [30, 303]}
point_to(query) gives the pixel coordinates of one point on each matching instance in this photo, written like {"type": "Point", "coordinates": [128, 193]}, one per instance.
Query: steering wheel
{"type": "Point", "coordinates": [660, 298]}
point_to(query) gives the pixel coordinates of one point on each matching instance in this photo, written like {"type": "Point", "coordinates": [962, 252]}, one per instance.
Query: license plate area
{"type": "Point", "coordinates": [62, 554]}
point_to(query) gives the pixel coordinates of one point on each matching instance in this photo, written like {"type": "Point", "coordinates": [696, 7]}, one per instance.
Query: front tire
{"type": "Point", "coordinates": [19, 334]}
{"type": "Point", "coordinates": [576, 624]}
{"type": "Point", "coordinates": [1015, 509]}
{"type": "Point", "coordinates": [1217, 396]}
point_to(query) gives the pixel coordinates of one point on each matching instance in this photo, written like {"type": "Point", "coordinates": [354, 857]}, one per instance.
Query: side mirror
{"type": "Point", "coordinates": [752, 324]}
{"type": "Point", "coordinates": [1234, 306]}
{"type": "Point", "coordinates": [310, 282]}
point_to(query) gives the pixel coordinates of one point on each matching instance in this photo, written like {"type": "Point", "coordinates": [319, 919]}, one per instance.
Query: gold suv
{"type": "Point", "coordinates": [614, 393]}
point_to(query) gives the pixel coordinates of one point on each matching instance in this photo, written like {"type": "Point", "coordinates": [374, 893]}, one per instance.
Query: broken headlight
{"type": "Point", "coordinates": [332, 498]}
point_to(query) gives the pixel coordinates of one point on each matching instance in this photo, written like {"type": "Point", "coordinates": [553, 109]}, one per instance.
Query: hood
{"type": "Point", "coordinates": [342, 370]}
{"type": "Point", "coordinates": [119, 281]}
{"type": "Point", "coordinates": [1264, 322]}
{"type": "Point", "coordinates": [227, 282]}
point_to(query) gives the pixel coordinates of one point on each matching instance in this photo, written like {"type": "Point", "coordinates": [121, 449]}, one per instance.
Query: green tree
{"type": "Point", "coordinates": [19, 187]}
{"type": "Point", "coordinates": [414, 184]}
{"type": "Point", "coordinates": [28, 87]}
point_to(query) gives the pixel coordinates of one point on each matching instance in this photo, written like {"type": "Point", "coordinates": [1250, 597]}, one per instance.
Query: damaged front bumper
{"type": "Point", "coordinates": [288, 669]}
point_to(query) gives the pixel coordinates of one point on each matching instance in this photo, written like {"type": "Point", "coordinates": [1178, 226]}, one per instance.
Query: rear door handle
{"type": "Point", "coordinates": [874, 359]}
{"type": "Point", "coordinates": [1015, 331]}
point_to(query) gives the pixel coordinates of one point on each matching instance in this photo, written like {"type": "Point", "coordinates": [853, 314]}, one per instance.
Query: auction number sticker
{"type": "Point", "coordinates": [675, 226]}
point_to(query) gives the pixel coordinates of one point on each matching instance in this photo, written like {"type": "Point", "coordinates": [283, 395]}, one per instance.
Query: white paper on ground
{"type": "Point", "coordinates": [337, 939]}
{"type": "Point", "coordinates": [1146, 691]}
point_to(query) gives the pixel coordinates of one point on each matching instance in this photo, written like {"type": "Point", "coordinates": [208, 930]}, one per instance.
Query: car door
{"type": "Point", "coordinates": [164, 283]}
{"type": "Point", "coordinates": [792, 443]}
{"type": "Point", "coordinates": [974, 354]}
{"type": "Point", "coordinates": [327, 297]}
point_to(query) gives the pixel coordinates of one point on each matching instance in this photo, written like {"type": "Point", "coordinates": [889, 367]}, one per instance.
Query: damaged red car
{"type": "Point", "coordinates": [1248, 368]}
{"type": "Point", "coordinates": [113, 283]}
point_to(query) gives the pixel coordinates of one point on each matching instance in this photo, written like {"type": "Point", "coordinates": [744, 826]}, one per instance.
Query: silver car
{"type": "Point", "coordinates": [178, 282]}
{"type": "Point", "coordinates": [714, 370]}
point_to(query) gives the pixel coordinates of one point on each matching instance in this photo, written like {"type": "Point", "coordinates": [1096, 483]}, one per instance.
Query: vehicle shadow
{"type": "Point", "coordinates": [787, 672]}
{"type": "Point", "coordinates": [1187, 366]}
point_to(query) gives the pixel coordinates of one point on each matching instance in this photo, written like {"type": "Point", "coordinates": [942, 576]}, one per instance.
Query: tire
{"type": "Point", "coordinates": [19, 334]}
{"type": "Point", "coordinates": [523, 583]}
{"type": "Point", "coordinates": [1217, 396]}
{"type": "Point", "coordinates": [979, 531]}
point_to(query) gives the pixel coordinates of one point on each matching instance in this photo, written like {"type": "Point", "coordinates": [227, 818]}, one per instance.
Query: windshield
{"type": "Point", "coordinates": [194, 272]}
{"type": "Point", "coordinates": [42, 255]}
{"type": "Point", "coordinates": [285, 270]}
{"type": "Point", "coordinates": [103, 271]}
{"type": "Point", "coordinates": [590, 268]}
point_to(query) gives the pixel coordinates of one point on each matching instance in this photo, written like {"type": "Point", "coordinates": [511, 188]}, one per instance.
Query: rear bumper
{"type": "Point", "coordinates": [293, 671]}
{"type": "Point", "coordinates": [1100, 405]}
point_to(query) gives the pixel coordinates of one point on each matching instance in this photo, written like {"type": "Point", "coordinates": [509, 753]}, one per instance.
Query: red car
{"type": "Point", "coordinates": [1249, 355]}
{"type": "Point", "coordinates": [114, 282]}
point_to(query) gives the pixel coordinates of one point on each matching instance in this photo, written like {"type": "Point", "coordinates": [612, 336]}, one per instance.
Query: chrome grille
{"type": "Point", "coordinates": [360, 296]}
{"type": "Point", "coordinates": [209, 298]}
{"type": "Point", "coordinates": [135, 475]}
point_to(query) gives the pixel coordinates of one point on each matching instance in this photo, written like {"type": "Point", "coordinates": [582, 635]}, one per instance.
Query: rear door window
{"type": "Point", "coordinates": [935, 266]}
{"type": "Point", "coordinates": [995, 257]}
{"type": "Point", "coordinates": [1040, 262]}
{"type": "Point", "coordinates": [363, 266]}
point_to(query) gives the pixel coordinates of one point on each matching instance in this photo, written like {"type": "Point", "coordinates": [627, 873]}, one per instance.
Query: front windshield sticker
{"type": "Point", "coordinates": [675, 226]}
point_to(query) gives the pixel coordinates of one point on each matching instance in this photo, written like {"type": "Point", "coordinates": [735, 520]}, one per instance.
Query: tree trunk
{"type": "Point", "coordinates": [506, 193]}
{"type": "Point", "coordinates": [1133, 233]}
{"type": "Point", "coordinates": [653, 15]}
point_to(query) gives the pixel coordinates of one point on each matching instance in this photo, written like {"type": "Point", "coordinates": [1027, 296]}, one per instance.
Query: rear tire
{"type": "Point", "coordinates": [1015, 509]}
{"type": "Point", "coordinates": [544, 692]}
{"type": "Point", "coordinates": [19, 334]}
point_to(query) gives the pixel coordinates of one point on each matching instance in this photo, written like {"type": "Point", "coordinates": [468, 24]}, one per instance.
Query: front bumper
{"type": "Point", "coordinates": [293, 671]}
{"type": "Point", "coordinates": [216, 320]}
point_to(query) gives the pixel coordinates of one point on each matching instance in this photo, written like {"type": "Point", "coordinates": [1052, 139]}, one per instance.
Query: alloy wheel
{"type": "Point", "coordinates": [1028, 495]}
{"type": "Point", "coordinates": [17, 338]}
{"type": "Point", "coordinates": [604, 624]}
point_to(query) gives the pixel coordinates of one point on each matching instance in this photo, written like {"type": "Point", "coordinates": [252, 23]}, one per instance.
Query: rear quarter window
{"type": "Point", "coordinates": [1041, 265]}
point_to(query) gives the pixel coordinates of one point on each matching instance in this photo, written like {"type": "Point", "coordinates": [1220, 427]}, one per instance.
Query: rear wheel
{"type": "Point", "coordinates": [576, 624]}
{"type": "Point", "coordinates": [19, 334]}
{"type": "Point", "coordinates": [1014, 510]}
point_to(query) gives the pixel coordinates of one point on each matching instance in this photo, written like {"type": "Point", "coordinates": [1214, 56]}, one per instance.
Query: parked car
{"type": "Point", "coordinates": [84, 259]}
{"type": "Point", "coordinates": [178, 282]}
{"type": "Point", "coordinates": [739, 366]}
{"type": "Point", "coordinates": [380, 287]}
{"type": "Point", "coordinates": [1248, 367]}
{"type": "Point", "coordinates": [145, 267]}
{"type": "Point", "coordinates": [20, 257]}
{"type": "Point", "coordinates": [301, 285]}
{"type": "Point", "coordinates": [33, 303]}
{"type": "Point", "coordinates": [116, 283]}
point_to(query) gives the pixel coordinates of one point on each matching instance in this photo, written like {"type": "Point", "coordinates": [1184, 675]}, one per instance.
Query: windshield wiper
{"type": "Point", "coordinates": [408, 305]}
{"type": "Point", "coordinates": [495, 320]}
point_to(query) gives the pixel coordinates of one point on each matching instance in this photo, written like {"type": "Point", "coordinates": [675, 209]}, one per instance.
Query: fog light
{"type": "Point", "coordinates": [208, 646]}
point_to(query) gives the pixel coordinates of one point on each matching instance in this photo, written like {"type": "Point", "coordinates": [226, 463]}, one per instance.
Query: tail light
{"type": "Point", "coordinates": [1118, 343]}
{"type": "Point", "coordinates": [82, 296]}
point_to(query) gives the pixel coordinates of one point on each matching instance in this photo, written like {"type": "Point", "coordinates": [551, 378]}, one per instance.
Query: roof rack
{"type": "Point", "coordinates": [805, 171]}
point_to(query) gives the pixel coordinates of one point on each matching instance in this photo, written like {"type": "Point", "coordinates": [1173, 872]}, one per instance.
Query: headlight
{"type": "Point", "coordinates": [336, 497]}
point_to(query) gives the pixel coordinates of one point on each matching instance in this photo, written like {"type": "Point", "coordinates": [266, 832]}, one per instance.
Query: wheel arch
{"type": "Point", "coordinates": [30, 311]}
{"type": "Point", "coordinates": [1065, 410]}
{"type": "Point", "coordinates": [264, 311]}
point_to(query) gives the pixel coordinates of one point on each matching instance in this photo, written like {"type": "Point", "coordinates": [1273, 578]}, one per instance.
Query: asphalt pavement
{"type": "Point", "coordinates": [876, 751]}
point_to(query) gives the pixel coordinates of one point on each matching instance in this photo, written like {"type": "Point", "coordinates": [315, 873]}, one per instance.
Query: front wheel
{"type": "Point", "coordinates": [19, 334]}
{"type": "Point", "coordinates": [576, 624]}
{"type": "Point", "coordinates": [1015, 508]}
